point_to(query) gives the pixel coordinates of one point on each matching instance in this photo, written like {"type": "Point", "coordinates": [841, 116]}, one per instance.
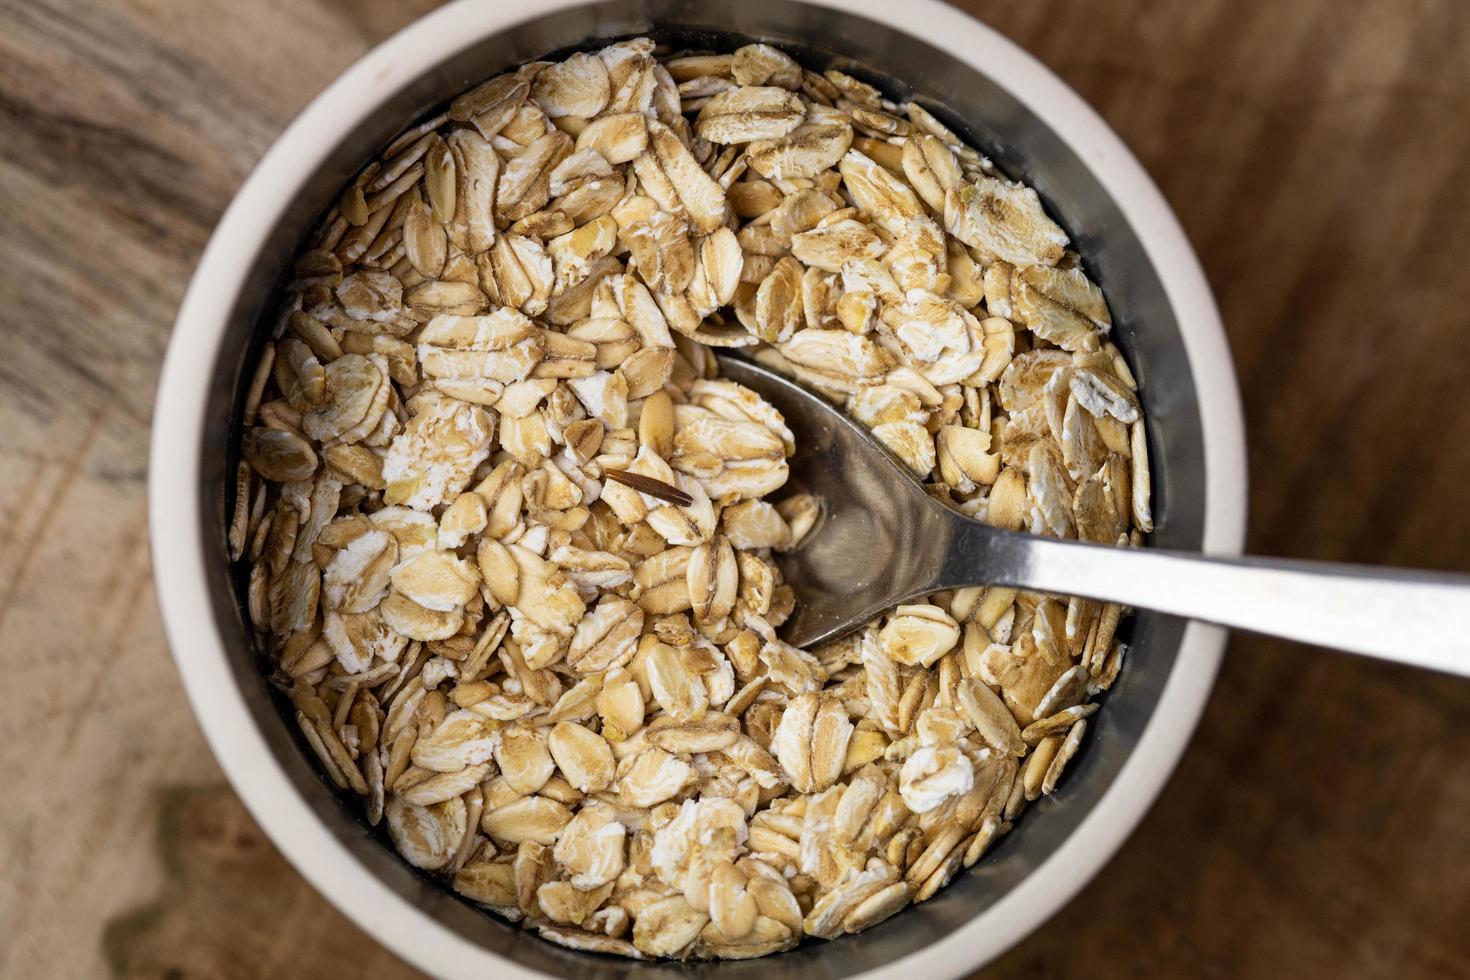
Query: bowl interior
{"type": "Point", "coordinates": [986, 115]}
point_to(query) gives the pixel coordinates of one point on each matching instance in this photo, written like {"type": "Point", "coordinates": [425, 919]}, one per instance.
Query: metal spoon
{"type": "Point", "coordinates": [882, 540]}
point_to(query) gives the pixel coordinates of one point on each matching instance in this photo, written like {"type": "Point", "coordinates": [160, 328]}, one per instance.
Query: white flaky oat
{"type": "Point", "coordinates": [515, 548]}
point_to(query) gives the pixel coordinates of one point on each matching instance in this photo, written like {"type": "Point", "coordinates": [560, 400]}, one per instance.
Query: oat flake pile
{"type": "Point", "coordinates": [507, 531]}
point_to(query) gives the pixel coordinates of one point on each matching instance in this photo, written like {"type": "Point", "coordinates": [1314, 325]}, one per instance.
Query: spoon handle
{"type": "Point", "coordinates": [1409, 617]}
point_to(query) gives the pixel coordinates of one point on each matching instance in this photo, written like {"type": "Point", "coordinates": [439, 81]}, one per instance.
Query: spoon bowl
{"type": "Point", "coordinates": [874, 545]}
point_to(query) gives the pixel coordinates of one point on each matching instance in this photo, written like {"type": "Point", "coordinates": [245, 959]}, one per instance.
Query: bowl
{"type": "Point", "coordinates": [1002, 101]}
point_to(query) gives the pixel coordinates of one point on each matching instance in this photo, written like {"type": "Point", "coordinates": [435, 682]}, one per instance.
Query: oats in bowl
{"type": "Point", "coordinates": [512, 542]}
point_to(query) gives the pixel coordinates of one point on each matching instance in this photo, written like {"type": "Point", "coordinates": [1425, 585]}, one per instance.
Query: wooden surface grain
{"type": "Point", "coordinates": [1317, 153]}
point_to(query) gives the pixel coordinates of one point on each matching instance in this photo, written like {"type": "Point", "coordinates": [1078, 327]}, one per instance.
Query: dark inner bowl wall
{"type": "Point", "coordinates": [986, 116]}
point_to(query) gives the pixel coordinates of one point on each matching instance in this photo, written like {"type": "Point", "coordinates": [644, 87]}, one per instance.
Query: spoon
{"type": "Point", "coordinates": [882, 540]}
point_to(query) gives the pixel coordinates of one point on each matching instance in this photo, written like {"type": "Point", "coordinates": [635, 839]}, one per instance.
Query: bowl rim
{"type": "Point", "coordinates": [178, 550]}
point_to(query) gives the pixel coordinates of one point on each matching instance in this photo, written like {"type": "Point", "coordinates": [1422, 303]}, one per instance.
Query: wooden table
{"type": "Point", "coordinates": [1318, 153]}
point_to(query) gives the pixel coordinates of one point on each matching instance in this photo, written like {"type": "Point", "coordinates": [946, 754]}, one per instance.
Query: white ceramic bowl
{"type": "Point", "coordinates": [1001, 98]}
